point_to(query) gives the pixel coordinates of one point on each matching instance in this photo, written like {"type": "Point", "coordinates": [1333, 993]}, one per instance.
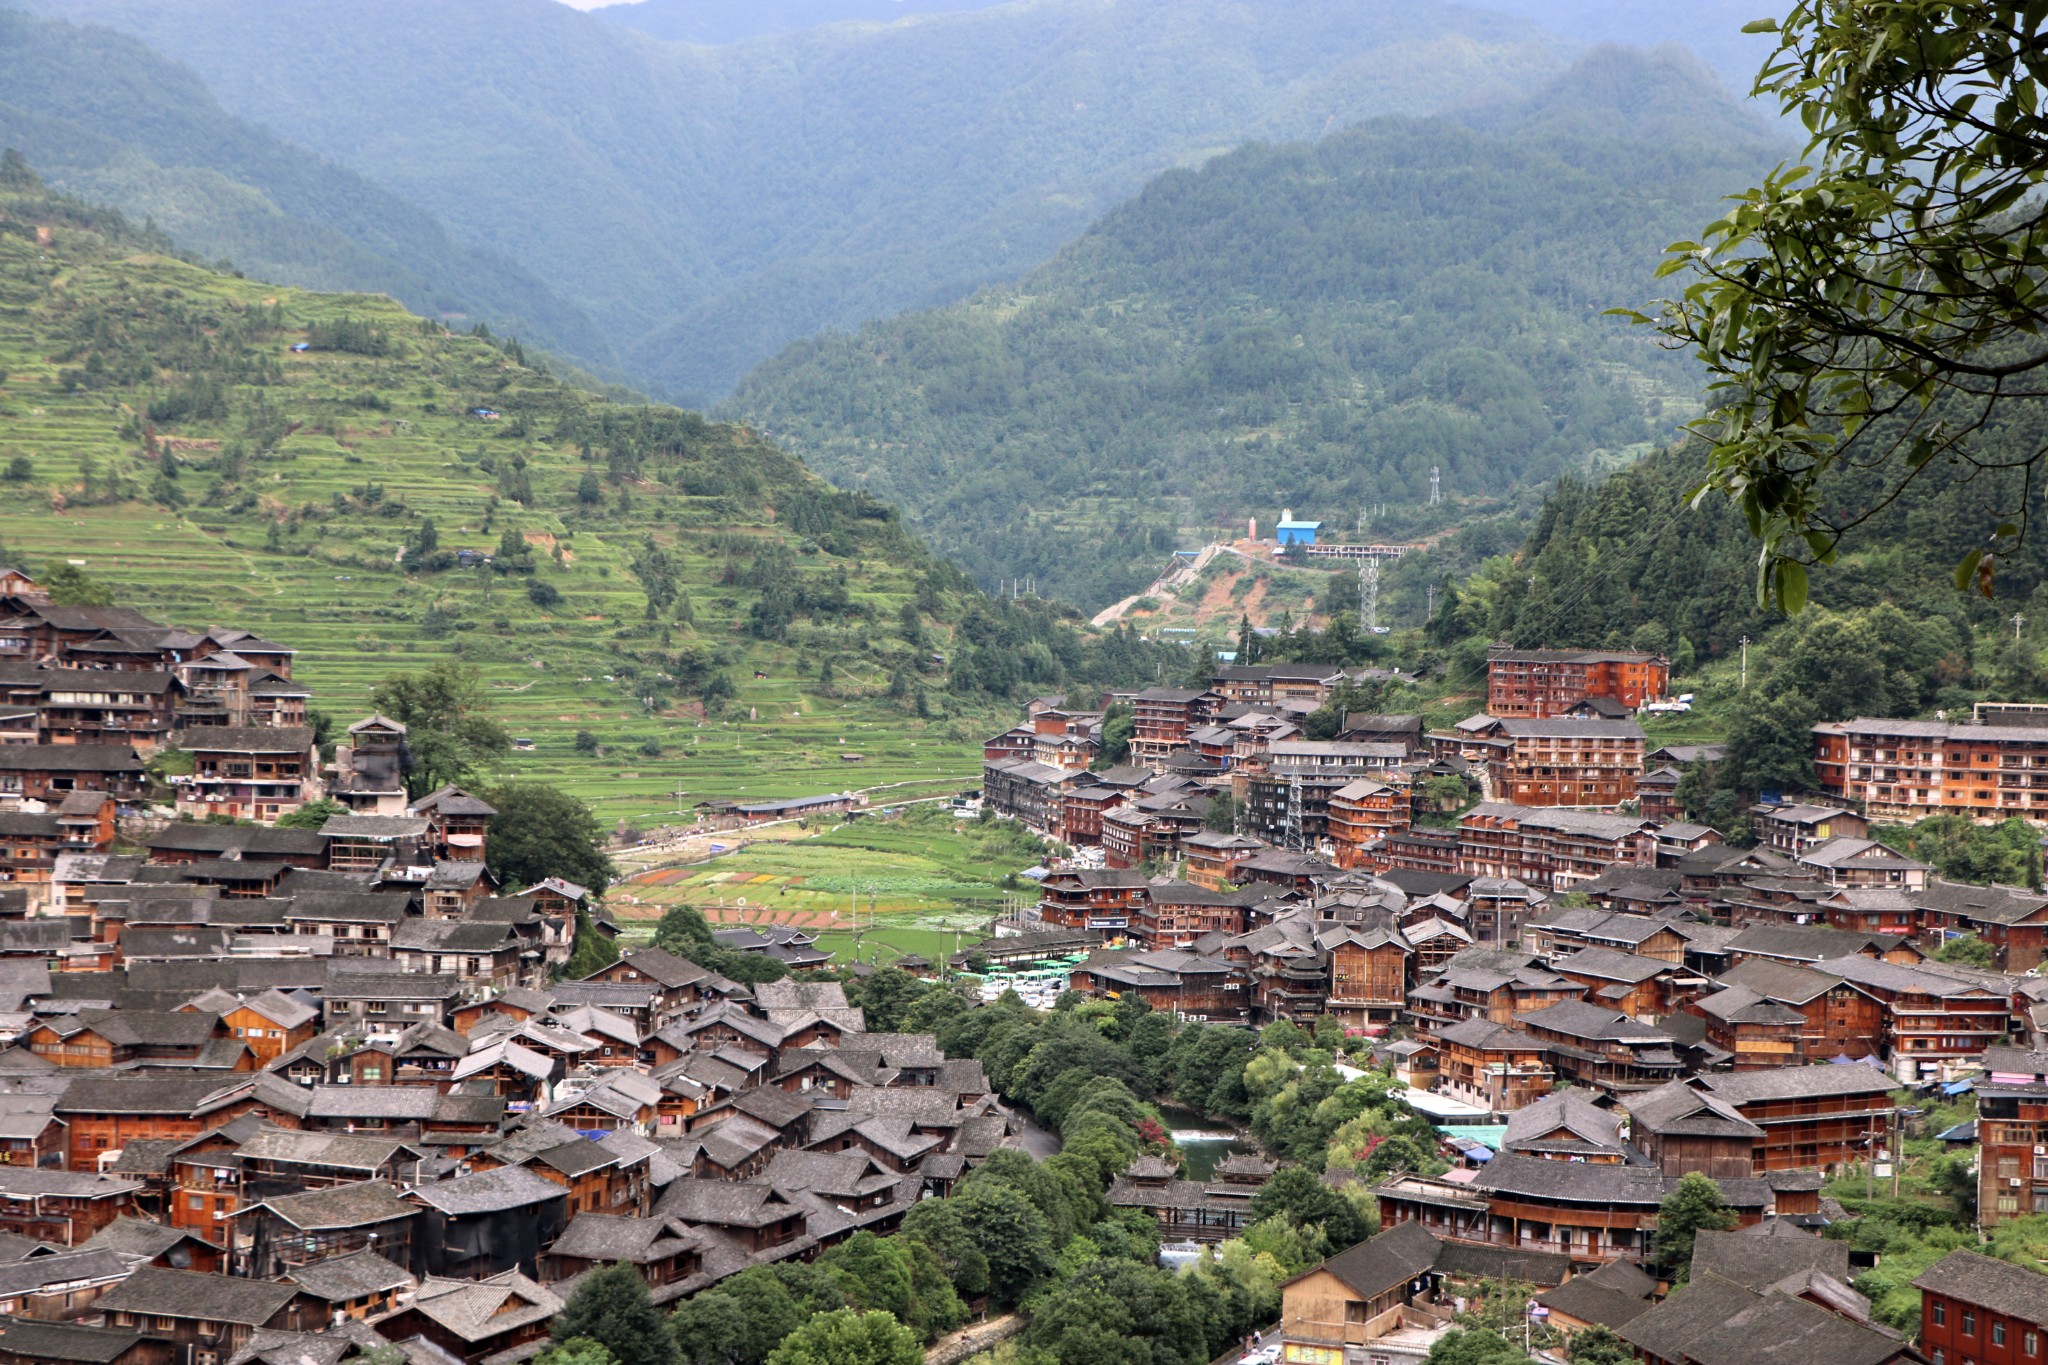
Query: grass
{"type": "Point", "coordinates": [915, 883]}
{"type": "Point", "coordinates": [292, 549]}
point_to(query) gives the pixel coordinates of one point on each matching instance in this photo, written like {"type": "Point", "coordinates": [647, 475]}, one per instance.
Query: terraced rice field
{"type": "Point", "coordinates": [303, 545]}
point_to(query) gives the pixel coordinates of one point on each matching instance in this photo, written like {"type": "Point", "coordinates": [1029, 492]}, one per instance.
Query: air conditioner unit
{"type": "Point", "coordinates": [2039, 1150]}
{"type": "Point", "coordinates": [2014, 1182]}
{"type": "Point", "coordinates": [220, 1215]}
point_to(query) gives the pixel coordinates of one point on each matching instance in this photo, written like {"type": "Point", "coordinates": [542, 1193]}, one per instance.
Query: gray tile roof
{"type": "Point", "coordinates": [1997, 1285]}
{"type": "Point", "coordinates": [363, 1204]}
{"type": "Point", "coordinates": [1759, 1262]}
{"type": "Point", "coordinates": [506, 1187]}
{"type": "Point", "coordinates": [338, 1279]}
{"type": "Point", "coordinates": [185, 1294]}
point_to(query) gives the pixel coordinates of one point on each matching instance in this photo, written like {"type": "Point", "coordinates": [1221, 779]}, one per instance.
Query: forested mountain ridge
{"type": "Point", "coordinates": [330, 471]}
{"type": "Point", "coordinates": [1313, 326]}
{"type": "Point", "coordinates": [708, 205]}
{"type": "Point", "coordinates": [105, 117]}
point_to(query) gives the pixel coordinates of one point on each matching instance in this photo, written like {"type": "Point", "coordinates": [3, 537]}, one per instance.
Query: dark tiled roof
{"type": "Point", "coordinates": [341, 1278]}
{"type": "Point", "coordinates": [63, 1343]}
{"type": "Point", "coordinates": [1760, 1262]}
{"type": "Point", "coordinates": [217, 1298]}
{"type": "Point", "coordinates": [1997, 1285]}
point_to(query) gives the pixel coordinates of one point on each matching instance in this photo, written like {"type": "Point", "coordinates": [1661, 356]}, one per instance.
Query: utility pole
{"type": "Point", "coordinates": [2018, 619]}
{"type": "Point", "coordinates": [1744, 642]}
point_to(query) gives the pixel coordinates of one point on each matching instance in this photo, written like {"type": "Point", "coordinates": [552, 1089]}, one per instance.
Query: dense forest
{"type": "Point", "coordinates": [708, 205]}
{"type": "Point", "coordinates": [1306, 325]}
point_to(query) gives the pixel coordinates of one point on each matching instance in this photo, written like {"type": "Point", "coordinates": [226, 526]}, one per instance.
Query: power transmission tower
{"type": "Point", "coordinates": [1291, 831]}
{"type": "Point", "coordinates": [1429, 612]}
{"type": "Point", "coordinates": [1369, 593]}
{"type": "Point", "coordinates": [1436, 485]}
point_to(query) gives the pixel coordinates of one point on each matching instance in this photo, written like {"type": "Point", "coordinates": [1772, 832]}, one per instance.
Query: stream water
{"type": "Point", "coordinates": [1205, 1142]}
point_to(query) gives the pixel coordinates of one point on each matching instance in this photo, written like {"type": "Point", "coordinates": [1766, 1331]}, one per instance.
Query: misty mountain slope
{"type": "Point", "coordinates": [732, 21]}
{"type": "Point", "coordinates": [108, 117]}
{"type": "Point", "coordinates": [1711, 29]}
{"type": "Point", "coordinates": [709, 204]}
{"type": "Point", "coordinates": [1304, 325]}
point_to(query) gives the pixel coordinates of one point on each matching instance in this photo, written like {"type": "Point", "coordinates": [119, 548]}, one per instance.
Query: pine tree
{"type": "Point", "coordinates": [593, 951]}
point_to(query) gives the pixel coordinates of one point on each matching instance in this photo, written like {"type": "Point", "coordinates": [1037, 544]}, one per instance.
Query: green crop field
{"type": "Point", "coordinates": [918, 882]}
{"type": "Point", "coordinates": [161, 433]}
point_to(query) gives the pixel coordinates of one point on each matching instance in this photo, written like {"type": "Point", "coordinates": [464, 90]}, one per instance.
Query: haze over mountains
{"type": "Point", "coordinates": [732, 21]}
{"type": "Point", "coordinates": [704, 206]}
{"type": "Point", "coordinates": [1310, 324]}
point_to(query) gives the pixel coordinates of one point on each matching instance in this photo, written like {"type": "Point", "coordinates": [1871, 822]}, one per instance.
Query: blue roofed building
{"type": "Point", "coordinates": [1292, 532]}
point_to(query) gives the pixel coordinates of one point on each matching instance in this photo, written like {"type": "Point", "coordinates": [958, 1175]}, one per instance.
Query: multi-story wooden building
{"type": "Point", "coordinates": [51, 772]}
{"type": "Point", "coordinates": [1360, 814]}
{"type": "Point", "coordinates": [1215, 860]}
{"type": "Point", "coordinates": [255, 772]}
{"type": "Point", "coordinates": [1911, 769]}
{"type": "Point", "coordinates": [1809, 1116]}
{"type": "Point", "coordinates": [1837, 1018]}
{"type": "Point", "coordinates": [1270, 684]}
{"type": "Point", "coordinates": [2012, 1135]}
{"type": "Point", "coordinates": [1482, 1062]}
{"type": "Point", "coordinates": [1371, 967]}
{"type": "Point", "coordinates": [1174, 914]}
{"type": "Point", "coordinates": [1163, 717]}
{"type": "Point", "coordinates": [1539, 684]}
{"type": "Point", "coordinates": [1562, 762]}
{"type": "Point", "coordinates": [2013, 921]}
{"type": "Point", "coordinates": [1975, 1310]}
{"type": "Point", "coordinates": [1603, 1048]}
{"type": "Point", "coordinates": [1103, 900]}
{"type": "Point", "coordinates": [94, 706]}
{"type": "Point", "coordinates": [1554, 849]}
{"type": "Point", "coordinates": [1792, 827]}
{"type": "Point", "coordinates": [1930, 1017]}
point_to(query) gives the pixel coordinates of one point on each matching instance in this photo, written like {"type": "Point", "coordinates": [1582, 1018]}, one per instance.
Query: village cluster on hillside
{"type": "Point", "coordinates": [284, 1094]}
{"type": "Point", "coordinates": [280, 1094]}
{"type": "Point", "coordinates": [1567, 954]}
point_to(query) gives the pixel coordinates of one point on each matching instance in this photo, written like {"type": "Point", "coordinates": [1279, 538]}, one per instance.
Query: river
{"type": "Point", "coordinates": [1204, 1141]}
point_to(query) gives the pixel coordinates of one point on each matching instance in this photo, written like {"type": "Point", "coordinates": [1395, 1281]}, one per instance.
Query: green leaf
{"type": "Point", "coordinates": [1761, 26]}
{"type": "Point", "coordinates": [1967, 570]}
{"type": "Point", "coordinates": [1791, 587]}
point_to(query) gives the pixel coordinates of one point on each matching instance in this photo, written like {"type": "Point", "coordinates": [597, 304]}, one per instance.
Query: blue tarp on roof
{"type": "Point", "coordinates": [1962, 1132]}
{"type": "Point", "coordinates": [1961, 1087]}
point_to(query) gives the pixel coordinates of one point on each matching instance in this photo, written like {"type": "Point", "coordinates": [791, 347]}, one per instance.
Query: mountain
{"type": "Point", "coordinates": [1306, 326]}
{"type": "Point", "coordinates": [708, 205]}
{"type": "Point", "coordinates": [1710, 29]}
{"type": "Point", "coordinates": [732, 21]}
{"type": "Point", "coordinates": [314, 467]}
{"type": "Point", "coordinates": [106, 117]}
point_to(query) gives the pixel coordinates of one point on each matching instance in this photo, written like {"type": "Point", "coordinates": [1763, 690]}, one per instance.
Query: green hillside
{"type": "Point", "coordinates": [157, 429]}
{"type": "Point", "coordinates": [108, 119]}
{"type": "Point", "coordinates": [708, 205]}
{"type": "Point", "coordinates": [1313, 326]}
